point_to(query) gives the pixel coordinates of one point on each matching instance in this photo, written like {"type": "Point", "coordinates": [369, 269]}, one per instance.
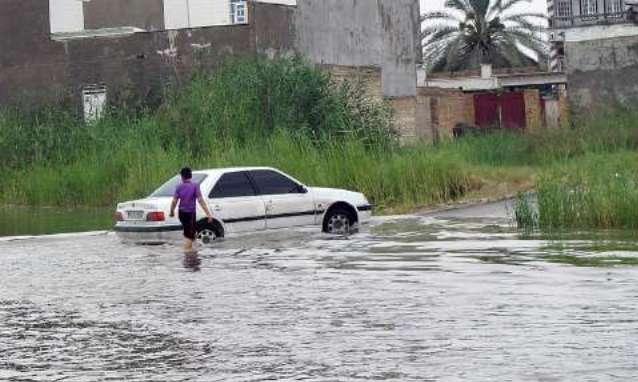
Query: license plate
{"type": "Point", "coordinates": [135, 215]}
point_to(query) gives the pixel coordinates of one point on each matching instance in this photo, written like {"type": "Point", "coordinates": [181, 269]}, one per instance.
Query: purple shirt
{"type": "Point", "coordinates": [187, 193]}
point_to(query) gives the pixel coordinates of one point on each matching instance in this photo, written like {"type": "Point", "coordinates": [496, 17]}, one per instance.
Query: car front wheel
{"type": "Point", "coordinates": [338, 222]}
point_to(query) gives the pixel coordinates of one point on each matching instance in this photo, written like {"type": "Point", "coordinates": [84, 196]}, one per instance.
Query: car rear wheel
{"type": "Point", "coordinates": [207, 234]}
{"type": "Point", "coordinates": [338, 222]}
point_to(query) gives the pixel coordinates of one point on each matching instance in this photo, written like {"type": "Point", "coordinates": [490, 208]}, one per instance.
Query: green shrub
{"type": "Point", "coordinates": [598, 191]}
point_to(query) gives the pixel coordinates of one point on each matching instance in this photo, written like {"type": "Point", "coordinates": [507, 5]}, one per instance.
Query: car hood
{"type": "Point", "coordinates": [357, 199]}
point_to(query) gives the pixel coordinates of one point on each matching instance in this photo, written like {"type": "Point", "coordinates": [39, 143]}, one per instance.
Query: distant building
{"type": "Point", "coordinates": [99, 53]}
{"type": "Point", "coordinates": [593, 42]}
{"type": "Point", "coordinates": [586, 19]}
{"type": "Point", "coordinates": [475, 100]}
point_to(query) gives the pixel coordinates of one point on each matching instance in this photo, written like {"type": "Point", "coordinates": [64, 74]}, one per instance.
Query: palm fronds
{"type": "Point", "coordinates": [471, 32]}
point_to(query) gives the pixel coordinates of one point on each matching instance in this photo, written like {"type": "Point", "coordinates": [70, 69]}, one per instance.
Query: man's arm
{"type": "Point", "coordinates": [204, 205]}
{"type": "Point", "coordinates": [173, 205]}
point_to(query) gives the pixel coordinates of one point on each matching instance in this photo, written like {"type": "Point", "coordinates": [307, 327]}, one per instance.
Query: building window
{"type": "Point", "coordinates": [564, 8]}
{"type": "Point", "coordinates": [238, 12]}
{"type": "Point", "coordinates": [66, 16]}
{"type": "Point", "coordinates": [589, 7]}
{"type": "Point", "coordinates": [94, 102]}
{"type": "Point", "coordinates": [614, 6]}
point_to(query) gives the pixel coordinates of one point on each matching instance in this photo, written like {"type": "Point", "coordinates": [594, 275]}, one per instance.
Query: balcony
{"type": "Point", "coordinates": [559, 22]}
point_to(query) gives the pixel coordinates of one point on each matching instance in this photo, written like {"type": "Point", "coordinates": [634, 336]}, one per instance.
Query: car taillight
{"type": "Point", "coordinates": [155, 217]}
{"type": "Point", "coordinates": [118, 216]}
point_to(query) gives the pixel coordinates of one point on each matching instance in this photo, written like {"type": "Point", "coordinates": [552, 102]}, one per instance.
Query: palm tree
{"type": "Point", "coordinates": [473, 32]}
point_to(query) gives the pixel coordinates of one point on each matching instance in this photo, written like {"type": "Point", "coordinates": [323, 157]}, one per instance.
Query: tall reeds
{"type": "Point", "coordinates": [597, 191]}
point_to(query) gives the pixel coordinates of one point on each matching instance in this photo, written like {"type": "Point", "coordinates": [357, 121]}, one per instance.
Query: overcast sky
{"type": "Point", "coordinates": [435, 5]}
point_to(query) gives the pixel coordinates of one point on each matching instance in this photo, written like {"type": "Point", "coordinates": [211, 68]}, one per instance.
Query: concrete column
{"type": "Point", "coordinates": [399, 47]}
{"type": "Point", "coordinates": [576, 9]}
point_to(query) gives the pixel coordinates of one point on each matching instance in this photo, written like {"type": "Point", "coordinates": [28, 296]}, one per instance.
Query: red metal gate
{"type": "Point", "coordinates": [486, 110]}
{"type": "Point", "coordinates": [506, 110]}
{"type": "Point", "coordinates": [513, 110]}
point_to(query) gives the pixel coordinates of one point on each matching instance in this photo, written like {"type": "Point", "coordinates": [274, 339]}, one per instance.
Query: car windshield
{"type": "Point", "coordinates": [168, 189]}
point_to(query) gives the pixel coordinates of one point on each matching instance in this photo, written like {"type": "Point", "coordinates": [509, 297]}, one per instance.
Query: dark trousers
{"type": "Point", "coordinates": [189, 223]}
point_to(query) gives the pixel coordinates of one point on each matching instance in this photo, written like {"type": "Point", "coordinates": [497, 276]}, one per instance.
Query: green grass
{"type": "Point", "coordinates": [390, 177]}
{"type": "Point", "coordinates": [596, 191]}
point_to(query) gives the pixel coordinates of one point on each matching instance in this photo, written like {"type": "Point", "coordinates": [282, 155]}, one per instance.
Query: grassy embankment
{"type": "Point", "coordinates": [288, 115]}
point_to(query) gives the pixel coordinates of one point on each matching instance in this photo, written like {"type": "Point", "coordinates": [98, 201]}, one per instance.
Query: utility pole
{"type": "Point", "coordinates": [188, 12]}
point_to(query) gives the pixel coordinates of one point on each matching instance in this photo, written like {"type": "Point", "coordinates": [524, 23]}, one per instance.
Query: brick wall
{"type": "Point", "coordinates": [564, 107]}
{"type": "Point", "coordinates": [533, 111]}
{"type": "Point", "coordinates": [425, 125]}
{"type": "Point", "coordinates": [405, 117]}
{"type": "Point", "coordinates": [447, 109]}
{"type": "Point", "coordinates": [369, 76]}
{"type": "Point", "coordinates": [405, 109]}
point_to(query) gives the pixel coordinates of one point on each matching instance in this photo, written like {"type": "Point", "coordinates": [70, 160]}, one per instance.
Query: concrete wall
{"type": "Point", "coordinates": [379, 33]}
{"type": "Point", "coordinates": [137, 68]}
{"type": "Point", "coordinates": [31, 68]}
{"type": "Point", "coordinates": [398, 19]}
{"type": "Point", "coordinates": [602, 72]}
{"type": "Point", "coordinates": [273, 28]}
{"type": "Point", "coordinates": [34, 69]}
{"type": "Point", "coordinates": [144, 14]}
{"type": "Point", "coordinates": [340, 32]}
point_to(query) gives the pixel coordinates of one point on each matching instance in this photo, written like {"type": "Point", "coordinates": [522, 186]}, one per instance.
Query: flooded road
{"type": "Point", "coordinates": [15, 220]}
{"type": "Point", "coordinates": [457, 296]}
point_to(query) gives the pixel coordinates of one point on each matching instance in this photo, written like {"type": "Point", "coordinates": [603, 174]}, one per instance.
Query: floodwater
{"type": "Point", "coordinates": [17, 220]}
{"type": "Point", "coordinates": [458, 296]}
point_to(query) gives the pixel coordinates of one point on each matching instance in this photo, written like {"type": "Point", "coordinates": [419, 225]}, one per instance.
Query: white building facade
{"type": "Point", "coordinates": [68, 15]}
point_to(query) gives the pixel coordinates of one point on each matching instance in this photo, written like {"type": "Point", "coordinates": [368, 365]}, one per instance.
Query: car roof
{"type": "Point", "coordinates": [219, 171]}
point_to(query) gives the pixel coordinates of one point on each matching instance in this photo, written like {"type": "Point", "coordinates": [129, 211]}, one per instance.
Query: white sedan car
{"type": "Point", "coordinates": [246, 199]}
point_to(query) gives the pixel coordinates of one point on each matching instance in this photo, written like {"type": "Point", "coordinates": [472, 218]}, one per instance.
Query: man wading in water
{"type": "Point", "coordinates": [186, 193]}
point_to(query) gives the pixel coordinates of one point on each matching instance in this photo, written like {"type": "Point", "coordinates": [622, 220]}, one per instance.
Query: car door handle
{"type": "Point", "coordinates": [217, 207]}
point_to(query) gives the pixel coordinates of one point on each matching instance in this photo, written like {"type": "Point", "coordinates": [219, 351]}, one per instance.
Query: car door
{"type": "Point", "coordinates": [234, 200]}
{"type": "Point", "coordinates": [288, 203]}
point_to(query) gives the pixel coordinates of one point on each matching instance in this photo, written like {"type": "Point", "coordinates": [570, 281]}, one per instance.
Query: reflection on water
{"type": "Point", "coordinates": [409, 299]}
{"type": "Point", "coordinates": [16, 220]}
{"type": "Point", "coordinates": [192, 261]}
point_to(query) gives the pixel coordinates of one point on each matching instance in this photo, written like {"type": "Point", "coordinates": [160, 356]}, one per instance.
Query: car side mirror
{"type": "Point", "coordinates": [302, 189]}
